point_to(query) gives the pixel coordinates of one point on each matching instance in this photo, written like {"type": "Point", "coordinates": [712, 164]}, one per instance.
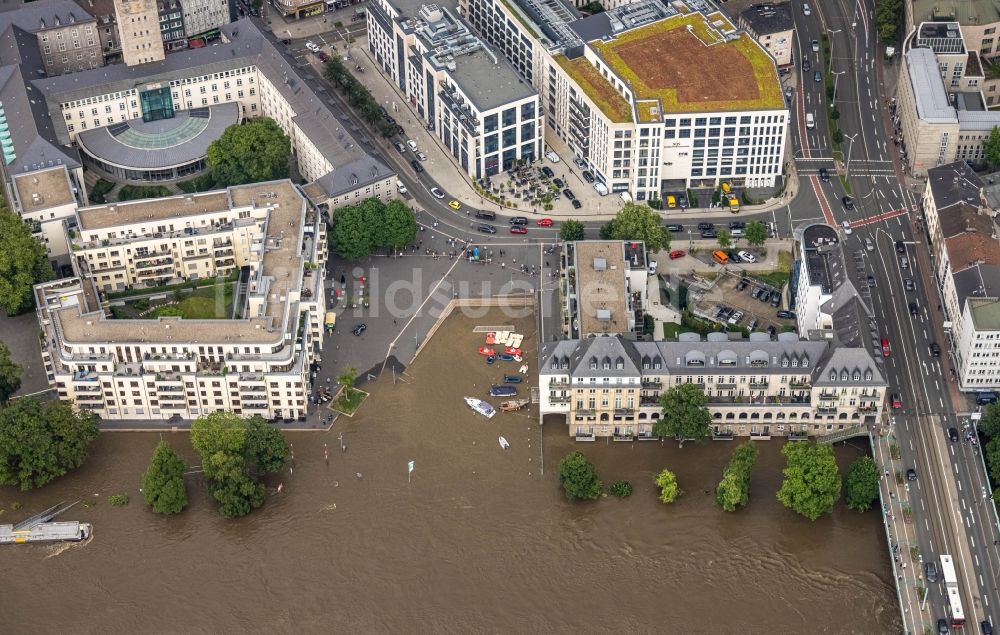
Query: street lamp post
{"type": "Point", "coordinates": [836, 78]}
{"type": "Point", "coordinates": [847, 163]}
{"type": "Point", "coordinates": [832, 32]}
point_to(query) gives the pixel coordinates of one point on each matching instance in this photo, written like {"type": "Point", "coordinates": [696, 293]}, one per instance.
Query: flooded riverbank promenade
{"type": "Point", "coordinates": [479, 540]}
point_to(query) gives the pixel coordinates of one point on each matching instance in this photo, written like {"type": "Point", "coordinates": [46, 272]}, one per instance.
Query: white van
{"type": "Point", "coordinates": [736, 233]}
{"type": "Point", "coordinates": [805, 9]}
{"type": "Point", "coordinates": [810, 121]}
{"type": "Point", "coordinates": [400, 187]}
{"type": "Point", "coordinates": [601, 188]}
{"type": "Point", "coordinates": [626, 197]}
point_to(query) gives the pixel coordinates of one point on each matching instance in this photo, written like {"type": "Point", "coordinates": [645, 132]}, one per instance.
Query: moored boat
{"type": "Point", "coordinates": [480, 406]}
{"type": "Point", "coordinates": [513, 404]}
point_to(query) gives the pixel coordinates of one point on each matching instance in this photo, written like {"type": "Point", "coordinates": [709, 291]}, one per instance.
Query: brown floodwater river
{"type": "Point", "coordinates": [479, 541]}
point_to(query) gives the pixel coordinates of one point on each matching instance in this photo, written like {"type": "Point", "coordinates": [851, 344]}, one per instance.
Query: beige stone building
{"type": "Point", "coordinates": [139, 27]}
{"type": "Point", "coordinates": [255, 362]}
{"type": "Point", "coordinates": [609, 386]}
{"type": "Point", "coordinates": [47, 199]}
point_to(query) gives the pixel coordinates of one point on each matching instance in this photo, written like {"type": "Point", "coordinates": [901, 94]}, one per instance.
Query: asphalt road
{"type": "Point", "coordinates": [950, 515]}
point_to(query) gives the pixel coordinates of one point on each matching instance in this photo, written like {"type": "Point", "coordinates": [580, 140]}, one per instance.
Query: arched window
{"type": "Point", "coordinates": [619, 363]}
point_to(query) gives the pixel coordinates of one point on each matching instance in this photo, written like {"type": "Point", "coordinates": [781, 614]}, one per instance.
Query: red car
{"type": "Point", "coordinates": [677, 253]}
{"type": "Point", "coordinates": [544, 222]}
{"type": "Point", "coordinates": [896, 401]}
{"type": "Point", "coordinates": [517, 229]}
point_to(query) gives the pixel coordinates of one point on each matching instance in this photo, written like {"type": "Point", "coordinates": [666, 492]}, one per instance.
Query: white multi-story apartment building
{"type": "Point", "coordinates": [48, 199]}
{"type": "Point", "coordinates": [485, 115]}
{"type": "Point", "coordinates": [256, 362]}
{"type": "Point", "coordinates": [611, 90]}
{"type": "Point", "coordinates": [609, 386]}
{"type": "Point", "coordinates": [966, 260]}
{"type": "Point", "coordinates": [826, 302]}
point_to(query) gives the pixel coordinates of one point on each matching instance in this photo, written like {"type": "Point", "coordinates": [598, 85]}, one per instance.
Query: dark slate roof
{"type": "Point", "coordinates": [849, 360]}
{"type": "Point", "coordinates": [243, 44]}
{"type": "Point", "coordinates": [976, 281]}
{"type": "Point", "coordinates": [768, 18]}
{"type": "Point", "coordinates": [953, 183]}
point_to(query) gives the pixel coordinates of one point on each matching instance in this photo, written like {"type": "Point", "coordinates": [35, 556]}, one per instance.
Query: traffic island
{"type": "Point", "coordinates": [348, 401]}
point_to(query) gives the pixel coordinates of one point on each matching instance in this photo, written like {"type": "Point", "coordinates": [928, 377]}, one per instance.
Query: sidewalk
{"type": "Point", "coordinates": [458, 185]}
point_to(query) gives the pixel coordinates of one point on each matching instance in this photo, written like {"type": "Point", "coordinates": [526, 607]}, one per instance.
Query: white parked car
{"type": "Point", "coordinates": [746, 256]}
{"type": "Point", "coordinates": [400, 187]}
{"type": "Point", "coordinates": [412, 144]}
{"type": "Point", "coordinates": [736, 317]}
{"type": "Point", "coordinates": [869, 245]}
{"type": "Point", "coordinates": [312, 46]}
{"type": "Point", "coordinates": [437, 193]}
{"type": "Point", "coordinates": [552, 156]}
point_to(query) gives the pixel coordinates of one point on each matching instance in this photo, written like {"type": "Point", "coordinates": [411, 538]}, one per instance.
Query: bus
{"type": "Point", "coordinates": [955, 612]}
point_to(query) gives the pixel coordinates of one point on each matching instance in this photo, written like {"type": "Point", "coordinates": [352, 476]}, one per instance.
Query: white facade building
{"type": "Point", "coordinates": [258, 362]}
{"type": "Point", "coordinates": [485, 115]}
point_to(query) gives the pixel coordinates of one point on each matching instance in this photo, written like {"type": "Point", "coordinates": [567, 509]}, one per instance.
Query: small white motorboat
{"type": "Point", "coordinates": [480, 406]}
{"type": "Point", "coordinates": [503, 443]}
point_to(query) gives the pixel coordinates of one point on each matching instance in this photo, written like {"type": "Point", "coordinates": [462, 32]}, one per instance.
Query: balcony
{"type": "Point", "coordinates": [799, 385]}
{"type": "Point", "coordinates": [649, 401]}
{"type": "Point", "coordinates": [156, 273]}
{"type": "Point", "coordinates": [798, 435]}
{"type": "Point", "coordinates": [559, 398]}
{"type": "Point", "coordinates": [651, 383]}
{"type": "Point", "coordinates": [586, 412]}
{"type": "Point", "coordinates": [827, 395]}
{"type": "Point", "coordinates": [759, 385]}
{"type": "Point", "coordinates": [869, 394]}
{"type": "Point", "coordinates": [868, 409]}
{"type": "Point", "coordinates": [585, 436]}
{"type": "Point", "coordinates": [722, 436]}
{"type": "Point", "coordinates": [623, 436]}
{"type": "Point", "coordinates": [726, 386]}
{"type": "Point", "coordinates": [826, 410]}
{"type": "Point", "coordinates": [769, 401]}
{"type": "Point", "coordinates": [624, 412]}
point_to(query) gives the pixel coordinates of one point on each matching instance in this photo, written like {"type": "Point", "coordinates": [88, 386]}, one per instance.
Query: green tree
{"type": "Point", "coordinates": [348, 377]}
{"type": "Point", "coordinates": [992, 455]}
{"type": "Point", "coordinates": [400, 225]}
{"type": "Point", "coordinates": [990, 422]}
{"type": "Point", "coordinates": [352, 235]}
{"type": "Point", "coordinates": [684, 413]}
{"type": "Point", "coordinates": [756, 233]}
{"type": "Point", "coordinates": [638, 222]}
{"type": "Point", "coordinates": [991, 148]}
{"type": "Point", "coordinates": [812, 480]}
{"type": "Point", "coordinates": [887, 14]}
{"type": "Point", "coordinates": [163, 482]}
{"type": "Point", "coordinates": [23, 263]}
{"type": "Point", "coordinates": [251, 152]}
{"type": "Point", "coordinates": [235, 454]}
{"type": "Point", "coordinates": [862, 484]}
{"type": "Point", "coordinates": [10, 375]}
{"type": "Point", "coordinates": [667, 482]}
{"type": "Point", "coordinates": [42, 441]}
{"type": "Point", "coordinates": [724, 239]}
{"type": "Point", "coordinates": [579, 477]}
{"type": "Point", "coordinates": [837, 136]}
{"type": "Point", "coordinates": [571, 230]}
{"type": "Point", "coordinates": [734, 489]}
{"type": "Point", "coordinates": [607, 231]}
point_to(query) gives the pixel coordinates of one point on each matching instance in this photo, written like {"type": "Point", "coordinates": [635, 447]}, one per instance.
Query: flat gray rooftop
{"type": "Point", "coordinates": [152, 209]}
{"type": "Point", "coordinates": [928, 87]}
{"type": "Point", "coordinates": [160, 144]}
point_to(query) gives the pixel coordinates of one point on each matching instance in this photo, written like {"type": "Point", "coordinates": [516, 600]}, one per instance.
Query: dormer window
{"type": "Point", "coordinates": [868, 375]}
{"type": "Point", "coordinates": [857, 376]}
{"type": "Point", "coordinates": [795, 363]}
{"type": "Point", "coordinates": [593, 363]}
{"type": "Point", "coordinates": [555, 363]}
{"type": "Point", "coordinates": [645, 365]}
{"type": "Point", "coordinates": [620, 363]}
{"type": "Point", "coordinates": [784, 362]}
{"type": "Point", "coordinates": [805, 362]}
{"type": "Point", "coordinates": [844, 376]}
{"type": "Point", "coordinates": [833, 375]}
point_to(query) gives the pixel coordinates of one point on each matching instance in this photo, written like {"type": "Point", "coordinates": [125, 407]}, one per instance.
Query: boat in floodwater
{"type": "Point", "coordinates": [480, 406]}
{"type": "Point", "coordinates": [39, 529]}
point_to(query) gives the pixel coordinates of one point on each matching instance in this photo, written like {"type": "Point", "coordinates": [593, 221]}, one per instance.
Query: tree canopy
{"type": "Point", "coordinates": [254, 151]}
{"type": "Point", "coordinates": [756, 233]}
{"type": "Point", "coordinates": [887, 15]}
{"type": "Point", "coordinates": [638, 222]}
{"type": "Point", "coordinates": [812, 480]}
{"type": "Point", "coordinates": [359, 230]}
{"type": "Point", "coordinates": [667, 482]}
{"type": "Point", "coordinates": [734, 489]}
{"type": "Point", "coordinates": [163, 481]}
{"type": "Point", "coordinates": [23, 263]}
{"type": "Point", "coordinates": [579, 477]}
{"type": "Point", "coordinates": [10, 375]}
{"type": "Point", "coordinates": [862, 484]}
{"type": "Point", "coordinates": [684, 413]}
{"type": "Point", "coordinates": [42, 441]}
{"type": "Point", "coordinates": [235, 454]}
{"type": "Point", "coordinates": [724, 238]}
{"type": "Point", "coordinates": [991, 148]}
{"type": "Point", "coordinates": [571, 230]}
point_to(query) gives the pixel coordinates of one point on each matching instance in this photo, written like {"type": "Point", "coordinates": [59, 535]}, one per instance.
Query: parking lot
{"type": "Point", "coordinates": [744, 302]}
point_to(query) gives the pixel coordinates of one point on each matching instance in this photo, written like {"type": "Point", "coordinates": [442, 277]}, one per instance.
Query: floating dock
{"type": "Point", "coordinates": [39, 529]}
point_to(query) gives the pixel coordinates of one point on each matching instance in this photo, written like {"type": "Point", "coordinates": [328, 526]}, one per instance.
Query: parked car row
{"type": "Point", "coordinates": [761, 292]}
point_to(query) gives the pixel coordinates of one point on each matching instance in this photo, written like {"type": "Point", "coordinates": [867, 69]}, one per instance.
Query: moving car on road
{"type": "Point", "coordinates": [454, 204]}
{"type": "Point", "coordinates": [911, 475]}
{"type": "Point", "coordinates": [677, 253]}
{"type": "Point", "coordinates": [544, 222]}
{"type": "Point", "coordinates": [896, 401]}
{"type": "Point", "coordinates": [518, 220]}
{"type": "Point", "coordinates": [518, 229]}
{"type": "Point", "coordinates": [675, 228]}
{"type": "Point", "coordinates": [487, 229]}
{"type": "Point", "coordinates": [436, 192]}
{"type": "Point", "coordinates": [416, 166]}
{"type": "Point", "coordinates": [847, 202]}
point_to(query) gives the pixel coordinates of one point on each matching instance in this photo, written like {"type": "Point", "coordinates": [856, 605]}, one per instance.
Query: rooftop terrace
{"type": "Point", "coordinates": [733, 72]}
{"type": "Point", "coordinates": [154, 209]}
{"type": "Point", "coordinates": [597, 88]}
{"type": "Point", "coordinates": [600, 283]}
